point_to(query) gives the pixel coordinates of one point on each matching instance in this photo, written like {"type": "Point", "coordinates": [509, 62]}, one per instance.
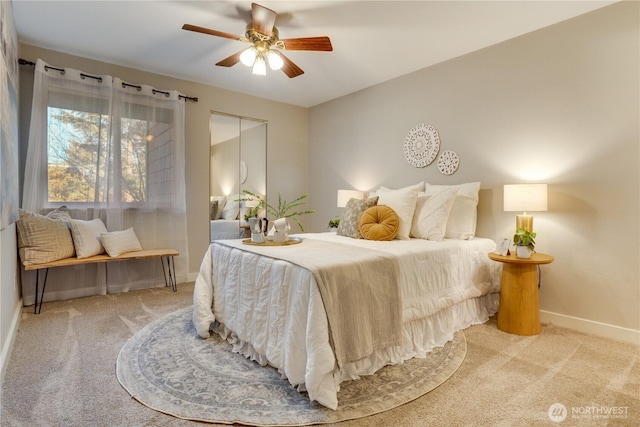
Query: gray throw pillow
{"type": "Point", "coordinates": [213, 210]}
{"type": "Point", "coordinates": [350, 221]}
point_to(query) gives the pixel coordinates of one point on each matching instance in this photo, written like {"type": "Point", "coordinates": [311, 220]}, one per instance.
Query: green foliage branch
{"type": "Point", "coordinates": [283, 210]}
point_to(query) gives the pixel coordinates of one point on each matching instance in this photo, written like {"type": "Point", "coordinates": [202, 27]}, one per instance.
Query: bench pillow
{"type": "Point", "coordinates": [118, 242]}
{"type": "Point", "coordinates": [61, 212]}
{"type": "Point", "coordinates": [86, 237]}
{"type": "Point", "coordinates": [42, 239]}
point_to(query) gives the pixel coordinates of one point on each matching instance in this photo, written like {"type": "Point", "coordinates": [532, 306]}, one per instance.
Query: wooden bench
{"type": "Point", "coordinates": [164, 254]}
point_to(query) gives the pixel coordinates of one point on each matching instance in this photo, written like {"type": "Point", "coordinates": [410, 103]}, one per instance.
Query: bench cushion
{"type": "Point", "coordinates": [119, 242]}
{"type": "Point", "coordinates": [86, 236]}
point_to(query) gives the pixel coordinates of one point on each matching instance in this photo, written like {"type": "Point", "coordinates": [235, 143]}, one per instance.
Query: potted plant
{"type": "Point", "coordinates": [334, 223]}
{"type": "Point", "coordinates": [524, 241]}
{"type": "Point", "coordinates": [283, 210]}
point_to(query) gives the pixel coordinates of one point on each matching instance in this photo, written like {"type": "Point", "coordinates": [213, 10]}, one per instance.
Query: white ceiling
{"type": "Point", "coordinates": [373, 41]}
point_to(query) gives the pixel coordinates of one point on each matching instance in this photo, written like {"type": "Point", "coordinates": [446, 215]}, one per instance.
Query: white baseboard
{"type": "Point", "coordinates": [591, 327]}
{"type": "Point", "coordinates": [191, 277]}
{"type": "Point", "coordinates": [11, 337]}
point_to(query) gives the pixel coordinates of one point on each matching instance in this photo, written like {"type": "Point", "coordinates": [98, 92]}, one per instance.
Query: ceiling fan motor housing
{"type": "Point", "coordinates": [263, 42]}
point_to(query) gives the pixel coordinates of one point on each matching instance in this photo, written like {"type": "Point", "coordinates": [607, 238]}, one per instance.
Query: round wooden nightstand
{"type": "Point", "coordinates": [519, 310]}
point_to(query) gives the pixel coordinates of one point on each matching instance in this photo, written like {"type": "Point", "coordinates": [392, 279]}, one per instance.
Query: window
{"type": "Point", "coordinates": [114, 151]}
{"type": "Point", "coordinates": [79, 158]}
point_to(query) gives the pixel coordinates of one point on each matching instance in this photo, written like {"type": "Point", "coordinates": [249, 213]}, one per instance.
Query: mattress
{"type": "Point", "coordinates": [271, 310]}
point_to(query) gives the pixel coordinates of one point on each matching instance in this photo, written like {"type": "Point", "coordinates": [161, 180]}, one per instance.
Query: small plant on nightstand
{"type": "Point", "coordinates": [524, 241]}
{"type": "Point", "coordinates": [334, 223]}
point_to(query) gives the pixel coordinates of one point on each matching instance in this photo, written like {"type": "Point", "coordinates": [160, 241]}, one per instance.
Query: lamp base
{"type": "Point", "coordinates": [525, 222]}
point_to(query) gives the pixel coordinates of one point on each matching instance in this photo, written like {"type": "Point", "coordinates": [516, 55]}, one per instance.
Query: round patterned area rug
{"type": "Point", "coordinates": [167, 367]}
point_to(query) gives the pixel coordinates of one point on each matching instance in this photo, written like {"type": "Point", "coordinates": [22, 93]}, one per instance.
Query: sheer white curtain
{"type": "Point", "coordinates": [110, 150]}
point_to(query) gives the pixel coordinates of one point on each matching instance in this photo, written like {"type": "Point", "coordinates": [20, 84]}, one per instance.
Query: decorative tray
{"type": "Point", "coordinates": [291, 241]}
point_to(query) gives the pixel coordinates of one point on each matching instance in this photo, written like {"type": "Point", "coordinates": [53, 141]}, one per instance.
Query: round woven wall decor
{"type": "Point", "coordinates": [448, 162]}
{"type": "Point", "coordinates": [421, 145]}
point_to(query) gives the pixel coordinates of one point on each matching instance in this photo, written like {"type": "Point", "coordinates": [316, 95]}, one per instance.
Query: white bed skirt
{"type": "Point", "coordinates": [419, 338]}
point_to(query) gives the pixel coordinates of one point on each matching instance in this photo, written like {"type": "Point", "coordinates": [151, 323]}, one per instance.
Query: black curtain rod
{"type": "Point", "coordinates": [83, 75]}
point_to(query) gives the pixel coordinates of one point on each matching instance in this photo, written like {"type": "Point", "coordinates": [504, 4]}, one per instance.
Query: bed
{"type": "Point", "coordinates": [225, 229]}
{"type": "Point", "coordinates": [270, 307]}
{"type": "Point", "coordinates": [401, 275]}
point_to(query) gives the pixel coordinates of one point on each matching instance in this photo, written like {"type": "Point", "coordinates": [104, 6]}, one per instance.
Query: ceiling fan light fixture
{"type": "Point", "coordinates": [259, 67]}
{"type": "Point", "coordinates": [248, 56]}
{"type": "Point", "coordinates": [262, 33]}
{"type": "Point", "coordinates": [275, 60]}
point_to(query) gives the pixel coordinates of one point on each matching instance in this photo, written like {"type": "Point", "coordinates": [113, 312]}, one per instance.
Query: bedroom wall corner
{"type": "Point", "coordinates": [10, 301]}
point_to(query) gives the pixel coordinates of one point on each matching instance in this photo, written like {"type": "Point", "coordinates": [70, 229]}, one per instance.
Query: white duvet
{"type": "Point", "coordinates": [271, 310]}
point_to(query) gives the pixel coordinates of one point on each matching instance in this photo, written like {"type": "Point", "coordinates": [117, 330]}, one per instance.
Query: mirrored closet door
{"type": "Point", "coordinates": [238, 162]}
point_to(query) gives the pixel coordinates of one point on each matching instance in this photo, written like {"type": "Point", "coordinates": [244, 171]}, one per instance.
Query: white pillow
{"type": "Point", "coordinates": [86, 236]}
{"type": "Point", "coordinates": [119, 242]}
{"type": "Point", "coordinates": [403, 201]}
{"type": "Point", "coordinates": [432, 213]}
{"type": "Point", "coordinates": [419, 186]}
{"type": "Point", "coordinates": [464, 212]}
{"type": "Point", "coordinates": [232, 207]}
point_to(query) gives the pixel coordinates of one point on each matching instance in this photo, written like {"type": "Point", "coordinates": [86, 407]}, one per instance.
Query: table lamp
{"type": "Point", "coordinates": [345, 195]}
{"type": "Point", "coordinates": [525, 198]}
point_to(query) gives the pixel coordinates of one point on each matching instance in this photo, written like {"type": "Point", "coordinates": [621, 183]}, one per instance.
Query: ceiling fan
{"type": "Point", "coordinates": [263, 35]}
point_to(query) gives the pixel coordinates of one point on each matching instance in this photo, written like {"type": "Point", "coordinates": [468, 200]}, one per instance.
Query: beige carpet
{"type": "Point", "coordinates": [62, 373]}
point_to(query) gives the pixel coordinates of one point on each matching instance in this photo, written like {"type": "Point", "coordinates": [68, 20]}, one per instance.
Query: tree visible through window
{"type": "Point", "coordinates": [78, 157]}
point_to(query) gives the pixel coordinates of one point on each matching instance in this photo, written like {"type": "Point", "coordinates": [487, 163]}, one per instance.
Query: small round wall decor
{"type": "Point", "coordinates": [448, 162]}
{"type": "Point", "coordinates": [421, 145]}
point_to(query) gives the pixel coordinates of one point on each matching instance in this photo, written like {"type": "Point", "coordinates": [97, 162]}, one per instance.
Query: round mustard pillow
{"type": "Point", "coordinates": [379, 223]}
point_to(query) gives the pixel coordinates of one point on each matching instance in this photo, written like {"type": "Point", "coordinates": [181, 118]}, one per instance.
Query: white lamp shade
{"type": "Point", "coordinates": [525, 197]}
{"type": "Point", "coordinates": [248, 56]}
{"type": "Point", "coordinates": [345, 195]}
{"type": "Point", "coordinates": [275, 60]}
{"type": "Point", "coordinates": [259, 67]}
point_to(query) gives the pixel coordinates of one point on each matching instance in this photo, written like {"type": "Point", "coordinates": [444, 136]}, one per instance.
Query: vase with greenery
{"type": "Point", "coordinates": [524, 241]}
{"type": "Point", "coordinates": [284, 209]}
{"type": "Point", "coordinates": [334, 223]}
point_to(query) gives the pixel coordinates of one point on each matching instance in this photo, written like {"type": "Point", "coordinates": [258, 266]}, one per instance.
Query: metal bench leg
{"type": "Point", "coordinates": [169, 273]}
{"type": "Point", "coordinates": [37, 308]}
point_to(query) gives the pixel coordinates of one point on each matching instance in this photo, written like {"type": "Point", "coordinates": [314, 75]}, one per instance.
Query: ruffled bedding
{"type": "Point", "coordinates": [271, 310]}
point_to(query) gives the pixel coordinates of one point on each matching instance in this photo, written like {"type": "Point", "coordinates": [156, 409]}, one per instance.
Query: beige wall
{"type": "Point", "coordinates": [287, 135]}
{"type": "Point", "coordinates": [560, 106]}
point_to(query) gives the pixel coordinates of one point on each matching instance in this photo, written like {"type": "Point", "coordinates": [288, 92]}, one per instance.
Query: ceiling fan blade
{"type": "Point", "coordinates": [308, 43]}
{"type": "Point", "coordinates": [230, 61]}
{"type": "Point", "coordinates": [289, 68]}
{"type": "Point", "coordinates": [263, 19]}
{"type": "Point", "coordinates": [217, 33]}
